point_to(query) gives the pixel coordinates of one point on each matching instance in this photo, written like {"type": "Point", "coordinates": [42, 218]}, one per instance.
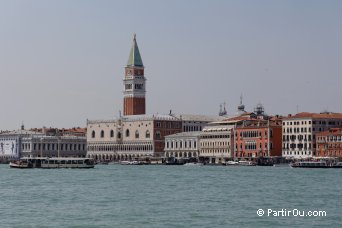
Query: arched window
{"type": "Point", "coordinates": [102, 134]}
{"type": "Point", "coordinates": [111, 133]}
{"type": "Point", "coordinates": [93, 134]}
{"type": "Point", "coordinates": [127, 133]}
{"type": "Point", "coordinates": [158, 135]}
{"type": "Point", "coordinates": [136, 134]}
{"type": "Point", "coordinates": [119, 135]}
{"type": "Point", "coordinates": [147, 134]}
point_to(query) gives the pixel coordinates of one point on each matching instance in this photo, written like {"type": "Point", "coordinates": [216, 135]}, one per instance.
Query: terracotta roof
{"type": "Point", "coordinates": [332, 131]}
{"type": "Point", "coordinates": [76, 130]}
{"type": "Point", "coordinates": [316, 115]}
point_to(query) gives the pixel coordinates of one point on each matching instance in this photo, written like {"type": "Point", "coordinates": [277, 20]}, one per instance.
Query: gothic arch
{"type": "Point", "coordinates": [147, 135]}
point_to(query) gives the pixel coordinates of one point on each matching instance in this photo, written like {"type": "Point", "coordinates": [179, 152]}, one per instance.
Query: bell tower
{"type": "Point", "coordinates": [134, 82]}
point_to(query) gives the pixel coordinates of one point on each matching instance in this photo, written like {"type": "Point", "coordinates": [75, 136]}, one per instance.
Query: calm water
{"type": "Point", "coordinates": [168, 196]}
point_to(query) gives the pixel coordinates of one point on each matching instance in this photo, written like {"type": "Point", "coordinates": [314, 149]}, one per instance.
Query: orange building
{"type": "Point", "coordinates": [258, 138]}
{"type": "Point", "coordinates": [329, 143]}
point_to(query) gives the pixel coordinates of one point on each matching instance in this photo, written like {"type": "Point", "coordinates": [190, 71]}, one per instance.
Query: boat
{"type": "Point", "coordinates": [232, 163]}
{"type": "Point", "coordinates": [316, 164]}
{"type": "Point", "coordinates": [52, 163]}
{"type": "Point", "coordinates": [309, 164]}
{"type": "Point", "coordinates": [337, 165]}
{"type": "Point", "coordinates": [130, 163]}
{"type": "Point", "coordinates": [193, 164]}
{"type": "Point", "coordinates": [20, 164]}
{"type": "Point", "coordinates": [246, 163]}
{"type": "Point", "coordinates": [175, 161]}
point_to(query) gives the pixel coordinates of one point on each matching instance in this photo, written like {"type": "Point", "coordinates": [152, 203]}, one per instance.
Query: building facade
{"type": "Point", "coordinates": [130, 137]}
{"type": "Point", "coordinates": [299, 132]}
{"type": "Point", "coordinates": [31, 143]}
{"type": "Point", "coordinates": [182, 145]}
{"type": "Point", "coordinates": [53, 146]}
{"type": "Point", "coordinates": [216, 142]}
{"type": "Point", "coordinates": [329, 143]}
{"type": "Point", "coordinates": [197, 122]}
{"type": "Point", "coordinates": [257, 138]}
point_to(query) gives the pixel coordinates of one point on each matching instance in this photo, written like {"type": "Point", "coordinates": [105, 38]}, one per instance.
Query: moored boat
{"type": "Point", "coordinates": [337, 165]}
{"type": "Point", "coordinates": [53, 163]}
{"type": "Point", "coordinates": [193, 164]}
{"type": "Point", "coordinates": [232, 163]}
{"type": "Point", "coordinates": [20, 164]}
{"type": "Point", "coordinates": [316, 164]}
{"type": "Point", "coordinates": [246, 163]}
{"type": "Point", "coordinates": [130, 163]}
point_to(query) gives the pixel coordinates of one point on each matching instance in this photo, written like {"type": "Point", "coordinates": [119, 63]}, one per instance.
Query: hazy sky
{"type": "Point", "coordinates": [62, 62]}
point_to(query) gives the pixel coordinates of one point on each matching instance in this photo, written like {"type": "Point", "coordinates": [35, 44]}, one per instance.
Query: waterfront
{"type": "Point", "coordinates": [167, 196]}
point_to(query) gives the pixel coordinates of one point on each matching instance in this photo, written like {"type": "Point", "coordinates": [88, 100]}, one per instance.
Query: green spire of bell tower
{"type": "Point", "coordinates": [134, 55]}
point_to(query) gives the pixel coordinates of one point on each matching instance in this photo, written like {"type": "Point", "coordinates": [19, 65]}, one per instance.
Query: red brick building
{"type": "Point", "coordinates": [329, 143]}
{"type": "Point", "coordinates": [256, 137]}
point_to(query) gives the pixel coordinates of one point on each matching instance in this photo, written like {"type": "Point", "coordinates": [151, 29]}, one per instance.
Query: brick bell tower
{"type": "Point", "coordinates": [134, 82]}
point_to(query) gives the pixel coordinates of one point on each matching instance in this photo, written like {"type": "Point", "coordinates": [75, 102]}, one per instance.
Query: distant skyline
{"type": "Point", "coordinates": [62, 62]}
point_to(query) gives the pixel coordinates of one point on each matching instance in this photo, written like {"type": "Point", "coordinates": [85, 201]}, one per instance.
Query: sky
{"type": "Point", "coordinates": [62, 61]}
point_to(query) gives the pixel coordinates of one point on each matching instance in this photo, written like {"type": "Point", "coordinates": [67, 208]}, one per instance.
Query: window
{"type": "Point", "coordinates": [147, 135]}
{"type": "Point", "coordinates": [127, 133]}
{"type": "Point", "coordinates": [93, 134]}
{"type": "Point", "coordinates": [102, 134]}
{"type": "Point", "coordinates": [158, 135]}
{"type": "Point", "coordinates": [136, 134]}
{"type": "Point", "coordinates": [119, 135]}
{"type": "Point", "coordinates": [138, 86]}
{"type": "Point", "coordinates": [111, 133]}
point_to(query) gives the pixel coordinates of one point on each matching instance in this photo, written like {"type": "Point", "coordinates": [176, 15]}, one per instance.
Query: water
{"type": "Point", "coordinates": [168, 196]}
